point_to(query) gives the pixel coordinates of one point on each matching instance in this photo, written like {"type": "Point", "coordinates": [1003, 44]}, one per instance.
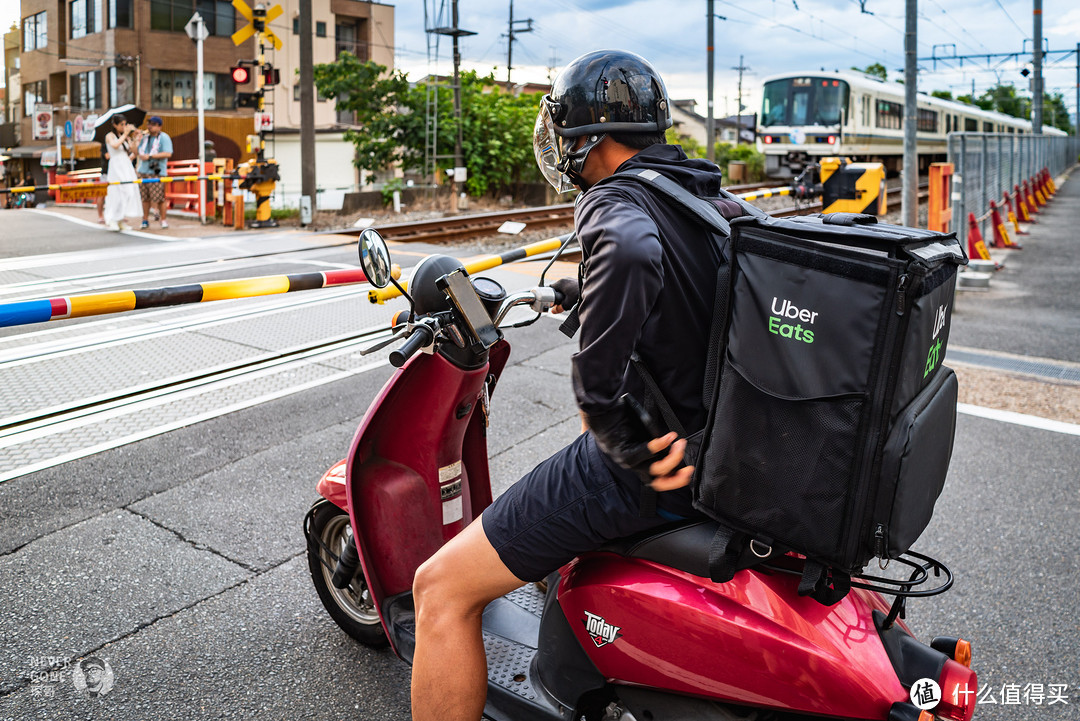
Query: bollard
{"type": "Point", "coordinates": [976, 246]}
{"type": "Point", "coordinates": [1021, 205]}
{"type": "Point", "coordinates": [939, 212]}
{"type": "Point", "coordinates": [1012, 215]}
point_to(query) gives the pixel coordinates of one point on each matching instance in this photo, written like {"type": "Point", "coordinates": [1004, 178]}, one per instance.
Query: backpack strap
{"type": "Point", "coordinates": [703, 210]}
{"type": "Point", "coordinates": [724, 553]}
{"type": "Point", "coordinates": [823, 584]}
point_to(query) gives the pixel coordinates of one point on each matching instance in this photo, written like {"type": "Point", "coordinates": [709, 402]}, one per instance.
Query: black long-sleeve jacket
{"type": "Point", "coordinates": [649, 285]}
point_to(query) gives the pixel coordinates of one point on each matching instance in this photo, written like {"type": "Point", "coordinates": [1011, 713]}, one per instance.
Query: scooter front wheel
{"type": "Point", "coordinates": [350, 607]}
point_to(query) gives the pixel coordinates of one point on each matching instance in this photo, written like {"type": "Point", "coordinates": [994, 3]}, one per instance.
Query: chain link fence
{"type": "Point", "coordinates": [989, 164]}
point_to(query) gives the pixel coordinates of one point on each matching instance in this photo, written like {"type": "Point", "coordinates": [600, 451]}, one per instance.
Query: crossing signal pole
{"type": "Point", "coordinates": [260, 175]}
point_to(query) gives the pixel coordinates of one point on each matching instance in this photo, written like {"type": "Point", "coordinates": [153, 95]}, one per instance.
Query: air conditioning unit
{"type": "Point", "coordinates": [63, 99]}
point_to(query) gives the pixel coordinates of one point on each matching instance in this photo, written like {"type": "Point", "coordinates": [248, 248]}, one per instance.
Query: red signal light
{"type": "Point", "coordinates": [240, 75]}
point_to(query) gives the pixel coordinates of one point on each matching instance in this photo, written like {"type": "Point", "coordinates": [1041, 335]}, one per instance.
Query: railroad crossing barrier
{"type": "Point", "coordinates": [79, 306]}
{"type": "Point", "coordinates": [988, 164]}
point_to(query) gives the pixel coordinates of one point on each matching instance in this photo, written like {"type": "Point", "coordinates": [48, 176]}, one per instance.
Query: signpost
{"type": "Point", "coordinates": [196, 30]}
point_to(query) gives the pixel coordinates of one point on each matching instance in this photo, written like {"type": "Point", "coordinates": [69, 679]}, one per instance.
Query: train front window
{"type": "Point", "coordinates": [804, 101]}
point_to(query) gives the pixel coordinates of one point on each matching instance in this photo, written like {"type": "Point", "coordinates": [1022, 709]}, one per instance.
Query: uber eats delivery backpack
{"type": "Point", "coordinates": [831, 418]}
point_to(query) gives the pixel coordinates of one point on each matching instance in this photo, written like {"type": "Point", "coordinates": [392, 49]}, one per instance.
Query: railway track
{"type": "Point", "coordinates": [441, 230]}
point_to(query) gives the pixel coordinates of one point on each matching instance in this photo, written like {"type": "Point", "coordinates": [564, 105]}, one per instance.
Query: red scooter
{"type": "Point", "coordinates": [633, 631]}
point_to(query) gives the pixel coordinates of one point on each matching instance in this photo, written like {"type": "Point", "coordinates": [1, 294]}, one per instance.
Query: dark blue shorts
{"type": "Point", "coordinates": [569, 504]}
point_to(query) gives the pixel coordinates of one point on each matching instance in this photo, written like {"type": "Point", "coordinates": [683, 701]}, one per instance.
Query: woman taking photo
{"type": "Point", "coordinates": [121, 201]}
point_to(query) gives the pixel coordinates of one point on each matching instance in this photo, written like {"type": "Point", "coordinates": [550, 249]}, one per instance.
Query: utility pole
{"type": "Point", "coordinates": [511, 29]}
{"type": "Point", "coordinates": [739, 107]}
{"type": "Point", "coordinates": [307, 110]}
{"type": "Point", "coordinates": [1037, 89]}
{"type": "Point", "coordinates": [910, 197]}
{"type": "Point", "coordinates": [710, 124]}
{"type": "Point", "coordinates": [1078, 90]}
{"type": "Point", "coordinates": [456, 33]}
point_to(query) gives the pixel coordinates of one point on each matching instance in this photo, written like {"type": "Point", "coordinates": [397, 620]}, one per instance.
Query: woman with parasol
{"type": "Point", "coordinates": [121, 201]}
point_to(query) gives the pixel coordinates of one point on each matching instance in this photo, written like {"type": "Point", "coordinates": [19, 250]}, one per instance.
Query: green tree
{"type": "Point", "coordinates": [366, 89]}
{"type": "Point", "coordinates": [876, 69]}
{"type": "Point", "coordinates": [392, 119]}
{"type": "Point", "coordinates": [1056, 113]}
{"type": "Point", "coordinates": [943, 94]}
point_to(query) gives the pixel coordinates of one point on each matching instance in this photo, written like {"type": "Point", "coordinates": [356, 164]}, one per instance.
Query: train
{"type": "Point", "coordinates": [810, 115]}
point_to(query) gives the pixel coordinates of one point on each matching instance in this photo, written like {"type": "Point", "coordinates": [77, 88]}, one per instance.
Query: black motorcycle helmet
{"type": "Point", "coordinates": [607, 91]}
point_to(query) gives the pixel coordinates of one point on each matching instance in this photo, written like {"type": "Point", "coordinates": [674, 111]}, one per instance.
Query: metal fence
{"type": "Point", "coordinates": [988, 164]}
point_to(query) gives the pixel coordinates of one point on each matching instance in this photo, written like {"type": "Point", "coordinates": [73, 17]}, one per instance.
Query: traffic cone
{"type": "Point", "coordinates": [1029, 196]}
{"type": "Point", "coordinates": [1021, 205]}
{"type": "Point", "coordinates": [1046, 184]}
{"type": "Point", "coordinates": [1051, 183]}
{"type": "Point", "coordinates": [1012, 215]}
{"type": "Point", "coordinates": [976, 246]}
{"type": "Point", "coordinates": [1039, 198]}
{"type": "Point", "coordinates": [1001, 233]}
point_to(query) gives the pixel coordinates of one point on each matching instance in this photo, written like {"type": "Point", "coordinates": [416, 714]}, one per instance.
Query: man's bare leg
{"type": "Point", "coordinates": [451, 589]}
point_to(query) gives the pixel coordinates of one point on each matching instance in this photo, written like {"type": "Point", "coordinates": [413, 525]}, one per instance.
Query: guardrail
{"type": "Point", "coordinates": [181, 181]}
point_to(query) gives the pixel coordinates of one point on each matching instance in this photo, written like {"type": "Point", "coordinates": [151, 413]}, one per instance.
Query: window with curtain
{"type": "Point", "coordinates": [36, 32]}
{"type": "Point", "coordinates": [121, 86]}
{"type": "Point", "coordinates": [120, 13]}
{"type": "Point", "coordinates": [33, 93]}
{"type": "Point", "coordinates": [86, 90]}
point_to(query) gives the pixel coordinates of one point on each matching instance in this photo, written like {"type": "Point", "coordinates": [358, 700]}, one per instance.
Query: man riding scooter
{"type": "Point", "coordinates": [646, 294]}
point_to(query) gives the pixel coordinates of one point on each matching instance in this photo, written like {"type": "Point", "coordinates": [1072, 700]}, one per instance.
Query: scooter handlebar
{"type": "Point", "coordinates": [422, 336]}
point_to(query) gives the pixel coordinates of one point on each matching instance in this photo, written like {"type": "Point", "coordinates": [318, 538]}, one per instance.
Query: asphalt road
{"type": "Point", "coordinates": [179, 559]}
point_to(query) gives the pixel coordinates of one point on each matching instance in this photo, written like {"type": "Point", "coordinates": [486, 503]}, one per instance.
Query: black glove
{"type": "Point", "coordinates": [570, 290]}
{"type": "Point", "coordinates": [624, 432]}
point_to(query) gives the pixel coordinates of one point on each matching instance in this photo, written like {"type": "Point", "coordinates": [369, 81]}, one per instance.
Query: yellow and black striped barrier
{"type": "Point", "coordinates": [770, 193]}
{"type": "Point", "coordinates": [79, 306]}
{"type": "Point", "coordinates": [380, 296]}
{"type": "Point", "coordinates": [73, 186]}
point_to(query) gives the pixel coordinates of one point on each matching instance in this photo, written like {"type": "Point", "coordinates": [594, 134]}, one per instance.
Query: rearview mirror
{"type": "Point", "coordinates": [374, 258]}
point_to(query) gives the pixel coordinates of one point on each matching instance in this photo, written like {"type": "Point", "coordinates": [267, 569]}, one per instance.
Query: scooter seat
{"type": "Point", "coordinates": [683, 546]}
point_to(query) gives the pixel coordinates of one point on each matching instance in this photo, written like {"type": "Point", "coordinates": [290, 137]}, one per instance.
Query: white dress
{"type": "Point", "coordinates": [121, 201]}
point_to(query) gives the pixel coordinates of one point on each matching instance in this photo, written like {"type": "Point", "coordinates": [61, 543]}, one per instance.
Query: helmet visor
{"type": "Point", "coordinates": [548, 151]}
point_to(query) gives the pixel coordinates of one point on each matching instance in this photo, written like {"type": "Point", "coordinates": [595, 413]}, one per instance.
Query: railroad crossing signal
{"type": "Point", "coordinates": [258, 21]}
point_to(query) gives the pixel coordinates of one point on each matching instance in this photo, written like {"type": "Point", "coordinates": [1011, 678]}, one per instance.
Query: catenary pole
{"type": "Point", "coordinates": [307, 106]}
{"type": "Point", "coordinates": [910, 201]}
{"type": "Point", "coordinates": [710, 123]}
{"type": "Point", "coordinates": [1037, 82]}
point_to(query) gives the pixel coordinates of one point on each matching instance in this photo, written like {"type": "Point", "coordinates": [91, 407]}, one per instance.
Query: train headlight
{"type": "Point", "coordinates": [767, 139]}
{"type": "Point", "coordinates": [831, 140]}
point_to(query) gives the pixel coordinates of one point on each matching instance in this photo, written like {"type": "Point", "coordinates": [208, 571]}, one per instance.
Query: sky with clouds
{"type": "Point", "coordinates": [771, 36]}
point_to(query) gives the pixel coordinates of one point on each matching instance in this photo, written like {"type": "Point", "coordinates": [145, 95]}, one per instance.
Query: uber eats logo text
{"type": "Point", "coordinates": [934, 356]}
{"type": "Point", "coordinates": [783, 311]}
